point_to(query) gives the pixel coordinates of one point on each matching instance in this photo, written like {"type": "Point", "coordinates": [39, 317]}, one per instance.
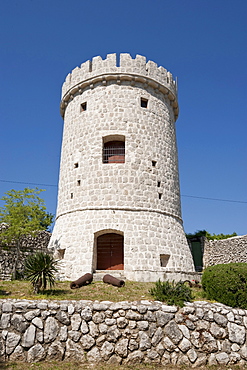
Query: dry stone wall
{"type": "Point", "coordinates": [29, 245]}
{"type": "Point", "coordinates": [123, 332]}
{"type": "Point", "coordinates": [225, 251]}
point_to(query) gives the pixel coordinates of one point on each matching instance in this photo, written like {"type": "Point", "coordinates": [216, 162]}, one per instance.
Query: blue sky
{"type": "Point", "coordinates": [202, 42]}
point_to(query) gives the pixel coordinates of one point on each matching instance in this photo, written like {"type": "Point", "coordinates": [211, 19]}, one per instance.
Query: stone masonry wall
{"type": "Point", "coordinates": [123, 332]}
{"type": "Point", "coordinates": [29, 245]}
{"type": "Point", "coordinates": [225, 251]}
{"type": "Point", "coordinates": [138, 198]}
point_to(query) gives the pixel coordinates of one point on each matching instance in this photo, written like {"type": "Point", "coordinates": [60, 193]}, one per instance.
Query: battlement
{"type": "Point", "coordinates": [137, 69]}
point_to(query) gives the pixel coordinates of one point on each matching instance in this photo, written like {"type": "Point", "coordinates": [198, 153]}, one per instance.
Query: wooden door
{"type": "Point", "coordinates": [110, 254]}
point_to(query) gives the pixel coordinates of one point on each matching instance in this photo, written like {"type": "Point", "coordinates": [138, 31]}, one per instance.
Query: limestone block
{"type": "Point", "coordinates": [29, 337]}
{"type": "Point", "coordinates": [18, 355]}
{"type": "Point", "coordinates": [145, 342]}
{"type": "Point", "coordinates": [75, 321]}
{"type": "Point", "coordinates": [173, 332]}
{"type": "Point", "coordinates": [51, 330]}
{"type": "Point", "coordinates": [36, 353]}
{"type": "Point", "coordinates": [56, 351]}
{"type": "Point", "coordinates": [87, 341]}
{"type": "Point", "coordinates": [121, 347]}
{"type": "Point", "coordinates": [5, 320]}
{"type": "Point", "coordinates": [107, 350]}
{"type": "Point", "coordinates": [236, 333]}
{"type": "Point", "coordinates": [11, 342]}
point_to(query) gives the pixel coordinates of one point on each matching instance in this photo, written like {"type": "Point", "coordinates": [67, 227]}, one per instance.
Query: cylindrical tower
{"type": "Point", "coordinates": [119, 198]}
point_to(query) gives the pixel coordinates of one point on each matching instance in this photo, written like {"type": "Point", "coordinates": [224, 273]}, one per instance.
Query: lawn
{"type": "Point", "coordinates": [72, 366]}
{"type": "Point", "coordinates": [97, 290]}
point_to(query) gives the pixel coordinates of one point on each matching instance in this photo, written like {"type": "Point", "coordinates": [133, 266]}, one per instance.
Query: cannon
{"type": "Point", "coordinates": [109, 279]}
{"type": "Point", "coordinates": [83, 280]}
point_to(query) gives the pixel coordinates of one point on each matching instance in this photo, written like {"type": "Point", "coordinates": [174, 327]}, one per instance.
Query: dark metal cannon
{"type": "Point", "coordinates": [109, 279]}
{"type": "Point", "coordinates": [83, 280]}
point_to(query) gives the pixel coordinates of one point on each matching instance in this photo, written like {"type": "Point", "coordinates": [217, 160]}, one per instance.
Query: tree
{"type": "Point", "coordinates": [209, 236]}
{"type": "Point", "coordinates": [40, 269]}
{"type": "Point", "coordinates": [25, 214]}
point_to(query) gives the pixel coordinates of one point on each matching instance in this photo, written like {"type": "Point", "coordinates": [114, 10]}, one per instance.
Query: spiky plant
{"type": "Point", "coordinates": [40, 269]}
{"type": "Point", "coordinates": [173, 293]}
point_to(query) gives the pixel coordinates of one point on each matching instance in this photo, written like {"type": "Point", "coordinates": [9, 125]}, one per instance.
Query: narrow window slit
{"type": "Point", "coordinates": [154, 163]}
{"type": "Point", "coordinates": [71, 195]}
{"type": "Point", "coordinates": [78, 182]}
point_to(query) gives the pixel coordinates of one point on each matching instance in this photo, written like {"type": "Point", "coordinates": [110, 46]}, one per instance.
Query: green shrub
{"type": "Point", "coordinates": [226, 283]}
{"type": "Point", "coordinates": [40, 269]}
{"type": "Point", "coordinates": [171, 292]}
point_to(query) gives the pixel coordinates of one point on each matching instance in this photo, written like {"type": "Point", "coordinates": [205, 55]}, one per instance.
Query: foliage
{"type": "Point", "coordinates": [226, 283]}
{"type": "Point", "coordinates": [40, 269]}
{"type": "Point", "coordinates": [209, 236]}
{"type": "Point", "coordinates": [173, 293]}
{"type": "Point", "coordinates": [24, 213]}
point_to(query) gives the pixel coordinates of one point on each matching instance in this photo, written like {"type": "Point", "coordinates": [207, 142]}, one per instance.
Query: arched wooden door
{"type": "Point", "coordinates": [110, 252]}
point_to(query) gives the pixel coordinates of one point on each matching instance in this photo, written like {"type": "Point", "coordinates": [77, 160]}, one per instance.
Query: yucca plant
{"type": "Point", "coordinates": [40, 269]}
{"type": "Point", "coordinates": [173, 293]}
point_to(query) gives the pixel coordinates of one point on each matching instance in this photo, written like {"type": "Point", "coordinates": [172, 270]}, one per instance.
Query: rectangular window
{"type": "Point", "coordinates": [114, 152]}
{"type": "Point", "coordinates": [144, 103]}
{"type": "Point", "coordinates": [164, 258]}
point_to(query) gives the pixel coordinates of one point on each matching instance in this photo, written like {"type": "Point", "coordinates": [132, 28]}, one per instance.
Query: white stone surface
{"type": "Point", "coordinates": [120, 197]}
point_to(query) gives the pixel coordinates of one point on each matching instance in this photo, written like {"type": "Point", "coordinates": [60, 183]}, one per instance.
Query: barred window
{"type": "Point", "coordinates": [114, 152]}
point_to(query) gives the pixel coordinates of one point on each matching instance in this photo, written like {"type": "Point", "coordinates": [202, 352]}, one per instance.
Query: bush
{"type": "Point", "coordinates": [172, 293]}
{"type": "Point", "coordinates": [226, 283]}
{"type": "Point", "coordinates": [40, 269]}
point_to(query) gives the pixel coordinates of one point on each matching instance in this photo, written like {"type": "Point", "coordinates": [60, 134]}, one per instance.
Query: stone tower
{"type": "Point", "coordinates": [119, 198]}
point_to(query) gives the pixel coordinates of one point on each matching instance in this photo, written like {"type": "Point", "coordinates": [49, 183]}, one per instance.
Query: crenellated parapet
{"type": "Point", "coordinates": [136, 70]}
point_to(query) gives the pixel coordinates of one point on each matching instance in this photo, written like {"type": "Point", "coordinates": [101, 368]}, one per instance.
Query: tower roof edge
{"type": "Point", "coordinates": [127, 65]}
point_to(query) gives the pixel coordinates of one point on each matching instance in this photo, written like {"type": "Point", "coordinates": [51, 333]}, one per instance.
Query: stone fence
{"type": "Point", "coordinates": [225, 251]}
{"type": "Point", "coordinates": [122, 333]}
{"type": "Point", "coordinates": [29, 245]}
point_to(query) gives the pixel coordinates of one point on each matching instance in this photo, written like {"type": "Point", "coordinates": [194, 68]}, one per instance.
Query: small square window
{"type": "Point", "coordinates": [61, 253]}
{"type": "Point", "coordinates": [164, 258]}
{"type": "Point", "coordinates": [160, 195]}
{"type": "Point", "coordinates": [144, 103]}
{"type": "Point", "coordinates": [154, 163]}
{"type": "Point", "coordinates": [83, 107]}
{"type": "Point", "coordinates": [158, 184]}
{"type": "Point", "coordinates": [76, 165]}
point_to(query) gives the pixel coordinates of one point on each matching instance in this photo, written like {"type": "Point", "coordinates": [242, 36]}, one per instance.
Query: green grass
{"type": "Point", "coordinates": [72, 366]}
{"type": "Point", "coordinates": [97, 290]}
